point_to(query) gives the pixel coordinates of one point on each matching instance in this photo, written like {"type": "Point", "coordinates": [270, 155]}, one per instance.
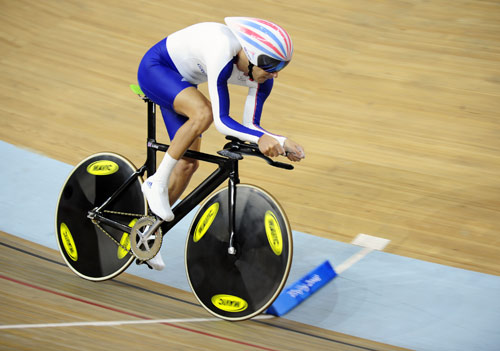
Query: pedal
{"type": "Point", "coordinates": [139, 262]}
{"type": "Point", "coordinates": [146, 238]}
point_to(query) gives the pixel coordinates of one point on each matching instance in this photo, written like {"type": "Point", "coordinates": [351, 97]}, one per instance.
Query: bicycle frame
{"type": "Point", "coordinates": [227, 169]}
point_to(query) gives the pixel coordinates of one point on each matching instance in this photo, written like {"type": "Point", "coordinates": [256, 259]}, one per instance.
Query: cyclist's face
{"type": "Point", "coordinates": [260, 76]}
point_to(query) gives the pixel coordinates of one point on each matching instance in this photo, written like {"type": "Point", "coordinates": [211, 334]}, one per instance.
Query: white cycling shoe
{"type": "Point", "coordinates": [156, 262]}
{"type": "Point", "coordinates": [158, 201]}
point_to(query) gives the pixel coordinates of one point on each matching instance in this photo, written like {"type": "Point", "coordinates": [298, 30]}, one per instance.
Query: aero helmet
{"type": "Point", "coordinates": [266, 44]}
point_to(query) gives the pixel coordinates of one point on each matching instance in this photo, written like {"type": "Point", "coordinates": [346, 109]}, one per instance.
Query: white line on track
{"type": "Point", "coordinates": [369, 243]}
{"type": "Point", "coordinates": [117, 323]}
{"type": "Point", "coordinates": [341, 268]}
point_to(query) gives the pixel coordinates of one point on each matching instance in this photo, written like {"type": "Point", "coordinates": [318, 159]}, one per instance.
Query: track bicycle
{"type": "Point", "coordinates": [238, 251]}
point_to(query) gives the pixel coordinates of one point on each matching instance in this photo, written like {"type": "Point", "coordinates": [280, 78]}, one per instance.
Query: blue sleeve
{"type": "Point", "coordinates": [224, 104]}
{"type": "Point", "coordinates": [263, 92]}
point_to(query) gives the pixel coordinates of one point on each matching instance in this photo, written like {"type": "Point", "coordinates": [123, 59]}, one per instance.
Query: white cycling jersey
{"type": "Point", "coordinates": [206, 52]}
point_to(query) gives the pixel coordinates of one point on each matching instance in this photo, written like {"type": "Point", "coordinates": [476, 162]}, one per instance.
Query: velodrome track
{"type": "Point", "coordinates": [396, 103]}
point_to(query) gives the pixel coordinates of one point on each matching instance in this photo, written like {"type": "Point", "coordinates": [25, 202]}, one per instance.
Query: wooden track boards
{"type": "Point", "coordinates": [37, 288]}
{"type": "Point", "coordinates": [395, 102]}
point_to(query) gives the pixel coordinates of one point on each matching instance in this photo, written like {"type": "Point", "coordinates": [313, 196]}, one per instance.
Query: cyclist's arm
{"type": "Point", "coordinates": [253, 108]}
{"type": "Point", "coordinates": [219, 95]}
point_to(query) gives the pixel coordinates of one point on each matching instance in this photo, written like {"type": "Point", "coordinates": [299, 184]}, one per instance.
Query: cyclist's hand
{"type": "Point", "coordinates": [270, 146]}
{"type": "Point", "coordinates": [294, 151]}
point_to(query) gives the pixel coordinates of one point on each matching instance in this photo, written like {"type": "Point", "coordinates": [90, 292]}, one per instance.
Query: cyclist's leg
{"type": "Point", "coordinates": [161, 82]}
{"type": "Point", "coordinates": [182, 173]}
{"type": "Point", "coordinates": [198, 116]}
{"type": "Point", "coordinates": [191, 103]}
{"type": "Point", "coordinates": [198, 111]}
{"type": "Point", "coordinates": [174, 173]}
{"type": "Point", "coordinates": [190, 112]}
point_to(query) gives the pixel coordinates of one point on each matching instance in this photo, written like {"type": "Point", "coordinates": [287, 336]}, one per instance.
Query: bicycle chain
{"type": "Point", "coordinates": [111, 237]}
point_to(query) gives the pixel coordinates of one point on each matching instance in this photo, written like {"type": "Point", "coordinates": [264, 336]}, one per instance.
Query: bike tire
{"type": "Point", "coordinates": [241, 286]}
{"type": "Point", "coordinates": [86, 249]}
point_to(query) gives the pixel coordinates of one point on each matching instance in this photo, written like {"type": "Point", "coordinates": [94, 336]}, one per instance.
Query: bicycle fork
{"type": "Point", "coordinates": [233, 181]}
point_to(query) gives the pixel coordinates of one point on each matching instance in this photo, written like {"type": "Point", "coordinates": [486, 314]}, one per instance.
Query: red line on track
{"type": "Point", "coordinates": [130, 313]}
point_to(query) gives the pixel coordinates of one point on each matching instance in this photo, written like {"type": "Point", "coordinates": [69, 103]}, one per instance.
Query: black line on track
{"type": "Point", "coordinates": [314, 335]}
{"type": "Point", "coordinates": [191, 303]}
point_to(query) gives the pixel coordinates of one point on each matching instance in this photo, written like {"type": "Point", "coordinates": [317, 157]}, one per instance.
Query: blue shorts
{"type": "Point", "coordinates": [160, 80]}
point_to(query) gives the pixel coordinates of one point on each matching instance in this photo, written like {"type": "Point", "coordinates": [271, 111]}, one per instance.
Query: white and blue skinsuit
{"type": "Point", "coordinates": [204, 52]}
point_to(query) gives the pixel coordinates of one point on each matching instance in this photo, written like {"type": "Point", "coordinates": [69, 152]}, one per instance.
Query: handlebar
{"type": "Point", "coordinates": [236, 148]}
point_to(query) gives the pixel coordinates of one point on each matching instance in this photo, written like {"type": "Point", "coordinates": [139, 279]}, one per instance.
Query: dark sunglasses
{"type": "Point", "coordinates": [270, 64]}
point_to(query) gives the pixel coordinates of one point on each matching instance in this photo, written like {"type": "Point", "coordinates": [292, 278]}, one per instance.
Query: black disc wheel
{"type": "Point", "coordinates": [241, 285]}
{"type": "Point", "coordinates": [98, 252]}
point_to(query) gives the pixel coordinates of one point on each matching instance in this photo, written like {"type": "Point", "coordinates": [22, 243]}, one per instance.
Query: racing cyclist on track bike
{"type": "Point", "coordinates": [248, 52]}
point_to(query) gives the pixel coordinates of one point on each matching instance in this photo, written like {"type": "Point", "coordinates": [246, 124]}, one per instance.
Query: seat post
{"type": "Point", "coordinates": [151, 151]}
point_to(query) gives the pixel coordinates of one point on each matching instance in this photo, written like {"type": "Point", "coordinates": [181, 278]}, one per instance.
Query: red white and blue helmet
{"type": "Point", "coordinates": [266, 44]}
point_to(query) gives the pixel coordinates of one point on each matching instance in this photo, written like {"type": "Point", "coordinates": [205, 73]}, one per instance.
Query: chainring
{"type": "Point", "coordinates": [145, 248]}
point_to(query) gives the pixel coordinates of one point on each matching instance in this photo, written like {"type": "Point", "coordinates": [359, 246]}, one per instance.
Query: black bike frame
{"type": "Point", "coordinates": [227, 169]}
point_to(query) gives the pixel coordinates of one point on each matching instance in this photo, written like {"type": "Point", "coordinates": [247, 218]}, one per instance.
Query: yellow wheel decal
{"type": "Point", "coordinates": [68, 242]}
{"type": "Point", "coordinates": [205, 222]}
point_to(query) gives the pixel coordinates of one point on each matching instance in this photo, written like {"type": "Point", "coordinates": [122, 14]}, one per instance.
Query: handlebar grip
{"type": "Point", "coordinates": [282, 165]}
{"type": "Point", "coordinates": [237, 148]}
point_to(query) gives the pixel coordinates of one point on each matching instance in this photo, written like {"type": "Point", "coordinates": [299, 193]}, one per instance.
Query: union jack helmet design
{"type": "Point", "coordinates": [266, 44]}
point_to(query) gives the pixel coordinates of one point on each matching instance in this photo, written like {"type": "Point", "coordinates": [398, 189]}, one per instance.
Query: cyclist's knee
{"type": "Point", "coordinates": [202, 118]}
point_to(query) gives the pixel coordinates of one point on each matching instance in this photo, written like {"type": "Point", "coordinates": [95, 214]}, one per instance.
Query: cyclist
{"type": "Point", "coordinates": [248, 52]}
